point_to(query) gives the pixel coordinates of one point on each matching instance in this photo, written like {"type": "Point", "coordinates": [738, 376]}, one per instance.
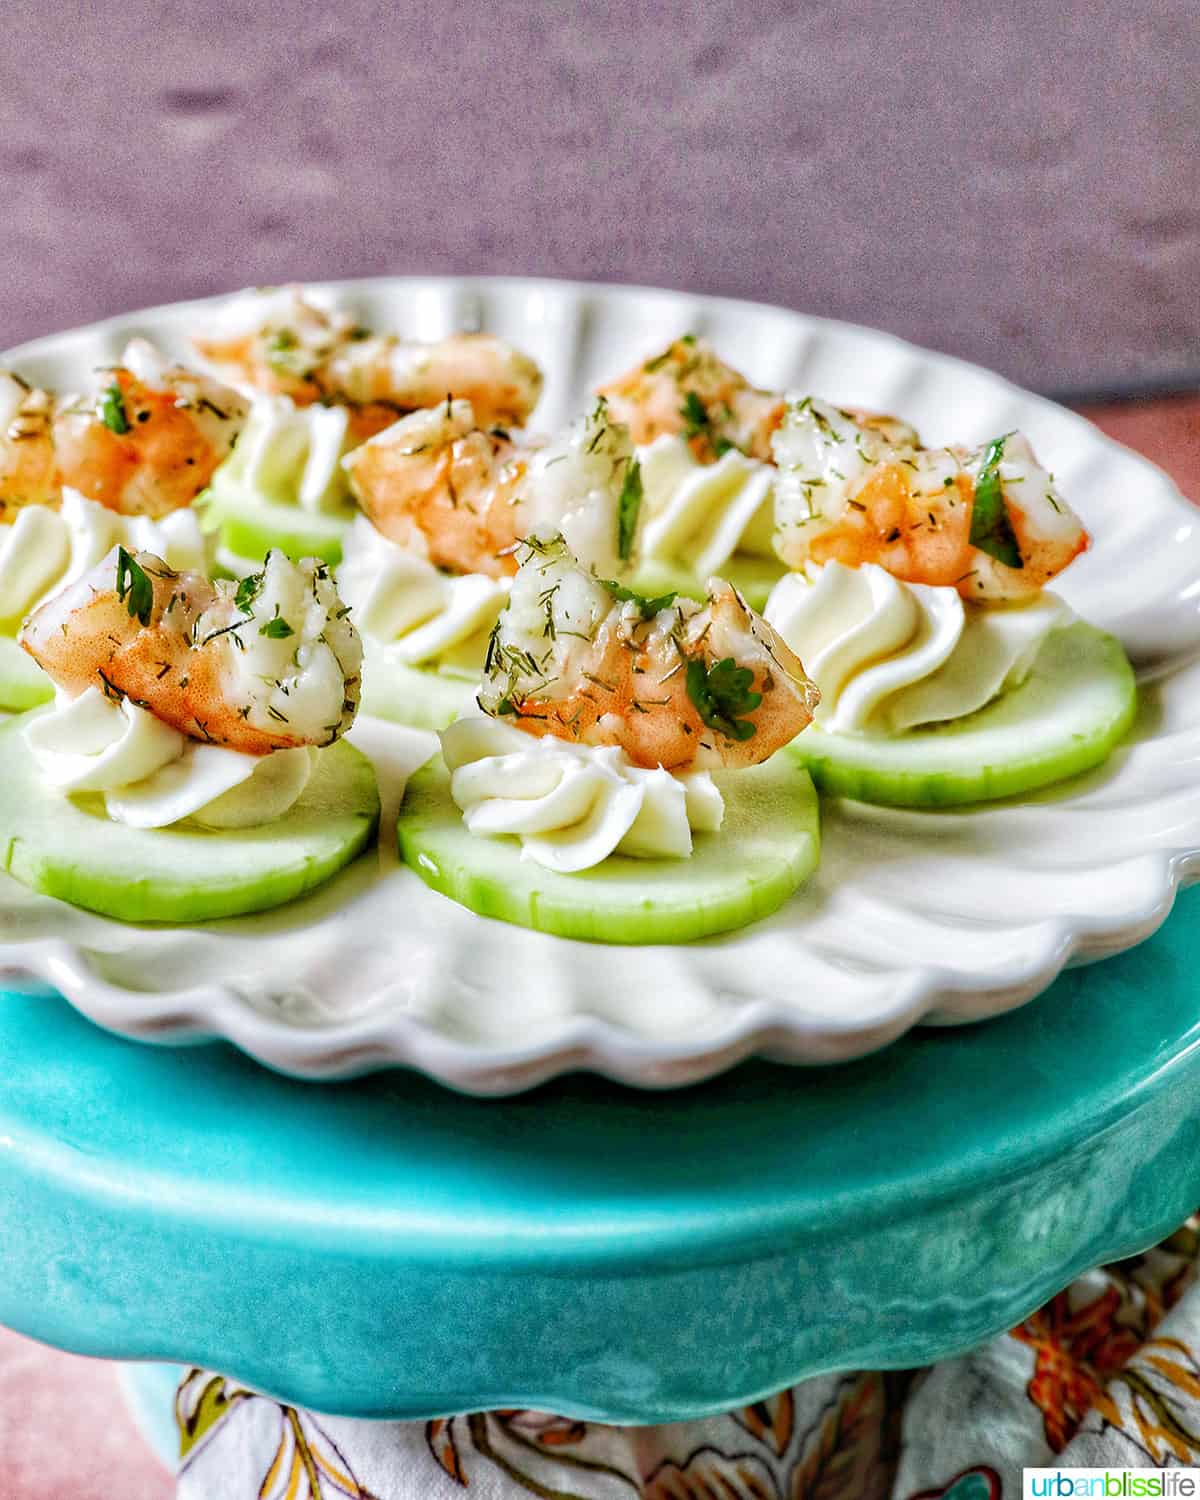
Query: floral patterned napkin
{"type": "Point", "coordinates": [1106, 1374]}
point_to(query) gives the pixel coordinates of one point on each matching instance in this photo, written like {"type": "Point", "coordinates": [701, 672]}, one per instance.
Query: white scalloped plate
{"type": "Point", "coordinates": [934, 917]}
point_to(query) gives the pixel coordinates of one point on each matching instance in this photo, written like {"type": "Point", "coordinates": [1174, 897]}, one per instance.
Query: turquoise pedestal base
{"type": "Point", "coordinates": [386, 1248]}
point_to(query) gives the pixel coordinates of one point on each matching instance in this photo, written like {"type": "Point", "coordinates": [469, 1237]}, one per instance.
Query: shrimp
{"type": "Point", "coordinates": [150, 440]}
{"type": "Point", "coordinates": [689, 389]}
{"type": "Point", "coordinates": [28, 467]}
{"type": "Point", "coordinates": [461, 495]}
{"type": "Point", "coordinates": [856, 489]}
{"type": "Point", "coordinates": [280, 341]}
{"type": "Point", "coordinates": [673, 683]}
{"type": "Point", "coordinates": [439, 485]}
{"type": "Point", "coordinates": [266, 664]}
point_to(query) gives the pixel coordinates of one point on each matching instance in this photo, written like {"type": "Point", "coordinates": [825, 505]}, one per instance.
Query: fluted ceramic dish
{"type": "Point", "coordinates": [940, 917]}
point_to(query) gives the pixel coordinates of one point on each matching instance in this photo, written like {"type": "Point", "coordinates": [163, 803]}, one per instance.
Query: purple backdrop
{"type": "Point", "coordinates": [1020, 185]}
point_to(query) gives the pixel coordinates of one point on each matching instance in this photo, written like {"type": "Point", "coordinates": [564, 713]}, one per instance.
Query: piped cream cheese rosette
{"type": "Point", "coordinates": [151, 776]}
{"type": "Point", "coordinates": [283, 486]}
{"type": "Point", "coordinates": [425, 630]}
{"type": "Point", "coordinates": [571, 806]}
{"type": "Point", "coordinates": [704, 519]}
{"type": "Point", "coordinates": [193, 765]}
{"type": "Point", "coordinates": [890, 656]}
{"type": "Point", "coordinates": [947, 672]}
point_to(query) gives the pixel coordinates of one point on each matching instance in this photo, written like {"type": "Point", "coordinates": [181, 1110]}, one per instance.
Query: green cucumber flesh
{"type": "Point", "coordinates": [769, 845]}
{"type": "Point", "coordinates": [23, 684]}
{"type": "Point", "coordinates": [1066, 717]}
{"type": "Point", "coordinates": [67, 847]}
{"type": "Point", "coordinates": [251, 524]}
{"type": "Point", "coordinates": [753, 577]}
{"type": "Point", "coordinates": [421, 697]}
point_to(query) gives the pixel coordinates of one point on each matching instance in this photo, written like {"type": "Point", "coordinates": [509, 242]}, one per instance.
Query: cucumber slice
{"type": "Point", "coordinates": [1066, 717]}
{"type": "Point", "coordinates": [753, 577]}
{"type": "Point", "coordinates": [67, 847]}
{"type": "Point", "coordinates": [23, 684]}
{"type": "Point", "coordinates": [421, 697]}
{"type": "Point", "coordinates": [769, 845]}
{"type": "Point", "coordinates": [251, 524]}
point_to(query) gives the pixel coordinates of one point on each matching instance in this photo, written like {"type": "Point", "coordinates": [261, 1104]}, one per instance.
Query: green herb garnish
{"type": "Point", "coordinates": [628, 509]}
{"type": "Point", "coordinates": [695, 415]}
{"type": "Point", "coordinates": [720, 693]}
{"type": "Point", "coordinates": [134, 589]}
{"type": "Point", "coordinates": [248, 591]}
{"type": "Point", "coordinates": [649, 607]}
{"type": "Point", "coordinates": [277, 629]}
{"type": "Point", "coordinates": [112, 410]}
{"type": "Point", "coordinates": [991, 528]}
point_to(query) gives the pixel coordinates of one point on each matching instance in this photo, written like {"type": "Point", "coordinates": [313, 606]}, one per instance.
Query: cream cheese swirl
{"type": "Point", "coordinates": [701, 514]}
{"type": "Point", "coordinates": [291, 455]}
{"type": "Point", "coordinates": [891, 656]}
{"type": "Point", "coordinates": [151, 776]}
{"type": "Point", "coordinates": [573, 805]}
{"type": "Point", "coordinates": [421, 614]}
{"type": "Point", "coordinates": [44, 549]}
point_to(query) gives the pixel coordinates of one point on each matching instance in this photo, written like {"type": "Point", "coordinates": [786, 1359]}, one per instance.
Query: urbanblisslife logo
{"type": "Point", "coordinates": [1113, 1484]}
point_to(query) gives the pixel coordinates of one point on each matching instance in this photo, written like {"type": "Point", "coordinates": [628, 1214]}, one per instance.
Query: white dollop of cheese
{"type": "Point", "coordinates": [890, 656]}
{"type": "Point", "coordinates": [290, 454]}
{"type": "Point", "coordinates": [701, 514]}
{"type": "Point", "coordinates": [43, 549]}
{"type": "Point", "coordinates": [405, 602]}
{"type": "Point", "coordinates": [570, 805]}
{"type": "Point", "coordinates": [151, 776]}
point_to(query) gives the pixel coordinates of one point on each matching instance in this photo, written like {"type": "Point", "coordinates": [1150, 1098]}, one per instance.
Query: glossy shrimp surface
{"type": "Point", "coordinates": [688, 389]}
{"type": "Point", "coordinates": [149, 439]}
{"type": "Point", "coordinates": [266, 664]}
{"type": "Point", "coordinates": [28, 466]}
{"type": "Point", "coordinates": [438, 483]}
{"type": "Point", "coordinates": [285, 342]}
{"type": "Point", "coordinates": [673, 683]}
{"type": "Point", "coordinates": [859, 489]}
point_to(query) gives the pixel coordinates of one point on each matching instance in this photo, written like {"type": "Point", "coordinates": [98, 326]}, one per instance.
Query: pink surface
{"type": "Point", "coordinates": [65, 1433]}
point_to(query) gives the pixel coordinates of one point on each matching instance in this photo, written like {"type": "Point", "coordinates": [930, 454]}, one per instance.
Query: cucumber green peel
{"type": "Point", "coordinates": [769, 845]}
{"type": "Point", "coordinates": [421, 697]}
{"type": "Point", "coordinates": [67, 847]}
{"type": "Point", "coordinates": [251, 524]}
{"type": "Point", "coordinates": [1075, 706]}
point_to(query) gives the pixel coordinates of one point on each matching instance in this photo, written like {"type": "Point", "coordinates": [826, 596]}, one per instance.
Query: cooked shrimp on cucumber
{"type": "Point", "coordinates": [987, 521]}
{"type": "Point", "coordinates": [689, 390]}
{"type": "Point", "coordinates": [285, 342]}
{"type": "Point", "coordinates": [461, 494]}
{"type": "Point", "coordinates": [28, 467]}
{"type": "Point", "coordinates": [267, 663]}
{"type": "Point", "coordinates": [149, 438]}
{"type": "Point", "coordinates": [674, 683]}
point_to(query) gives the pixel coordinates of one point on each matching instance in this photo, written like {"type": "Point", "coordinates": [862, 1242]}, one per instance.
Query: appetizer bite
{"type": "Point", "coordinates": [427, 567]}
{"type": "Point", "coordinates": [321, 386]}
{"type": "Point", "coordinates": [620, 783]}
{"type": "Point", "coordinates": [703, 436]}
{"type": "Point", "coordinates": [193, 764]}
{"type": "Point", "coordinates": [948, 673]}
{"type": "Point", "coordinates": [139, 480]}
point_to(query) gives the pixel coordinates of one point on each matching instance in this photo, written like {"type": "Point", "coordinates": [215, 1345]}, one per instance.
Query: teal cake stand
{"type": "Point", "coordinates": [385, 1248]}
